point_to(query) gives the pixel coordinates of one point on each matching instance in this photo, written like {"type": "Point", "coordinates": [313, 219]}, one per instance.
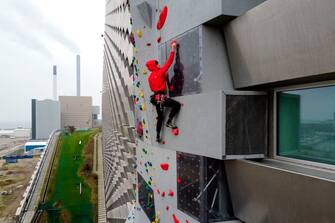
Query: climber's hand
{"type": "Point", "coordinates": [174, 45]}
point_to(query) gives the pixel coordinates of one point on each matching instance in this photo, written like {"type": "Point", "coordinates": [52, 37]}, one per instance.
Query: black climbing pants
{"type": "Point", "coordinates": [160, 105]}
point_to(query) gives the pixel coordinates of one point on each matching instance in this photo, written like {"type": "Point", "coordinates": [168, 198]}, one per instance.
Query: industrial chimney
{"type": "Point", "coordinates": [78, 75]}
{"type": "Point", "coordinates": [54, 82]}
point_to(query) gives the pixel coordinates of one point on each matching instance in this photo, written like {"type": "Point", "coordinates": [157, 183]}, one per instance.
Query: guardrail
{"type": "Point", "coordinates": [29, 192]}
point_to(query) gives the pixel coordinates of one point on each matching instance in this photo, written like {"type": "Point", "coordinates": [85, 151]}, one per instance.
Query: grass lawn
{"type": "Point", "coordinates": [64, 202]}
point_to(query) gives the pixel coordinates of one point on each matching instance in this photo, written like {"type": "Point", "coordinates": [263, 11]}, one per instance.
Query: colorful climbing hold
{"type": "Point", "coordinates": [175, 131]}
{"type": "Point", "coordinates": [139, 33]}
{"type": "Point", "coordinates": [175, 219]}
{"type": "Point", "coordinates": [179, 180]}
{"type": "Point", "coordinates": [163, 194]}
{"type": "Point", "coordinates": [171, 193]}
{"type": "Point", "coordinates": [159, 39]}
{"type": "Point", "coordinates": [162, 18]}
{"type": "Point", "coordinates": [164, 166]}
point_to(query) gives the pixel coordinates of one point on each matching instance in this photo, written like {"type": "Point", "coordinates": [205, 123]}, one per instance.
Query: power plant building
{"type": "Point", "coordinates": [45, 118]}
{"type": "Point", "coordinates": [76, 111]}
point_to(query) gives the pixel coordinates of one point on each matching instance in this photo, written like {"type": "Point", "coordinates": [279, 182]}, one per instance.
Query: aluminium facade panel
{"type": "Point", "coordinates": [282, 42]}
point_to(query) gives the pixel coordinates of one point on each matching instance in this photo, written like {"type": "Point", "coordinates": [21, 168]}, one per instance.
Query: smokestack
{"type": "Point", "coordinates": [78, 75]}
{"type": "Point", "coordinates": [54, 82]}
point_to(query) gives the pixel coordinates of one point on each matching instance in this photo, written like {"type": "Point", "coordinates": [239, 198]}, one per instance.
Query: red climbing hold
{"type": "Point", "coordinates": [175, 219]}
{"type": "Point", "coordinates": [175, 131]}
{"type": "Point", "coordinates": [167, 207]}
{"type": "Point", "coordinates": [165, 166]}
{"type": "Point", "coordinates": [163, 194]}
{"type": "Point", "coordinates": [179, 181]}
{"type": "Point", "coordinates": [186, 221]}
{"type": "Point", "coordinates": [162, 18]}
{"type": "Point", "coordinates": [158, 191]}
{"type": "Point", "coordinates": [159, 39]}
{"type": "Point", "coordinates": [171, 193]}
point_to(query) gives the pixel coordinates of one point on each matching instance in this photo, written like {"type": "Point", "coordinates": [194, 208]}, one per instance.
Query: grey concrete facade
{"type": "Point", "coordinates": [45, 118]}
{"type": "Point", "coordinates": [244, 51]}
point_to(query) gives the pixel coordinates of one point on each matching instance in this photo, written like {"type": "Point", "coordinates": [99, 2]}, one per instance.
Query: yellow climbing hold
{"type": "Point", "coordinates": [143, 107]}
{"type": "Point", "coordinates": [142, 94]}
{"type": "Point", "coordinates": [145, 72]}
{"type": "Point", "coordinates": [139, 33]}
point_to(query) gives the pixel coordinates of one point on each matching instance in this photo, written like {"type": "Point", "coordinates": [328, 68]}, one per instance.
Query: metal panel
{"type": "Point", "coordinates": [282, 40]}
{"type": "Point", "coordinates": [200, 123]}
{"type": "Point", "coordinates": [246, 124]}
{"type": "Point", "coordinates": [279, 194]}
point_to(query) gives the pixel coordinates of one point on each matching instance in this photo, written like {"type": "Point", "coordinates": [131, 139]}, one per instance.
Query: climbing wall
{"type": "Point", "coordinates": [118, 113]}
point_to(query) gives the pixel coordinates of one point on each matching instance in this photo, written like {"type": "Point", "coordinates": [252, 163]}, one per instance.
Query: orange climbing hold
{"type": "Point", "coordinates": [165, 166]}
{"type": "Point", "coordinates": [162, 18]}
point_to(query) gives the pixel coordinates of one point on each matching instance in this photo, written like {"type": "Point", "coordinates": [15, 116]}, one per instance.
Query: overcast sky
{"type": "Point", "coordinates": [34, 35]}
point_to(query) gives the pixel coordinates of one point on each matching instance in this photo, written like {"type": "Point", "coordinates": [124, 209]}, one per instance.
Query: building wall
{"type": "Point", "coordinates": [76, 111]}
{"type": "Point", "coordinates": [236, 42]}
{"type": "Point", "coordinates": [284, 42]}
{"type": "Point", "coordinates": [47, 118]}
{"type": "Point", "coordinates": [117, 112]}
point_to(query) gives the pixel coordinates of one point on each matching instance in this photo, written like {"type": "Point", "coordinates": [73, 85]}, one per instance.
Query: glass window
{"type": "Point", "coordinates": [306, 124]}
{"type": "Point", "coordinates": [146, 198]}
{"type": "Point", "coordinates": [188, 170]}
{"type": "Point", "coordinates": [202, 188]}
{"type": "Point", "coordinates": [185, 73]}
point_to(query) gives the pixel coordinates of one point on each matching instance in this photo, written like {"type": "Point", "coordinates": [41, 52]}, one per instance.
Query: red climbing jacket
{"type": "Point", "coordinates": [158, 77]}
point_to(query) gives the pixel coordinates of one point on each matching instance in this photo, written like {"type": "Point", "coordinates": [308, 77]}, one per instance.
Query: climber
{"type": "Point", "coordinates": [157, 81]}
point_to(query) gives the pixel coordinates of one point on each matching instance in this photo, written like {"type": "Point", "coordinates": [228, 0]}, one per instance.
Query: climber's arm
{"type": "Point", "coordinates": [169, 62]}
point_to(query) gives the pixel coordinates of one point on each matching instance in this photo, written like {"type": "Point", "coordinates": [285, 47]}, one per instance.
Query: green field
{"type": "Point", "coordinates": [64, 202]}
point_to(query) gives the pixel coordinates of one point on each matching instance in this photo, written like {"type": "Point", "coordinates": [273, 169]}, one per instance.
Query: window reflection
{"type": "Point", "coordinates": [185, 74]}
{"type": "Point", "coordinates": [306, 124]}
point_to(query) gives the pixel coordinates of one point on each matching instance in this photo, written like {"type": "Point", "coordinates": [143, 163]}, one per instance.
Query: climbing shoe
{"type": "Point", "coordinates": [171, 125]}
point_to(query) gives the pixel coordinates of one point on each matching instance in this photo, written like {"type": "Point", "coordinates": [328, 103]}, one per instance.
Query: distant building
{"type": "Point", "coordinates": [33, 145]}
{"type": "Point", "coordinates": [45, 118]}
{"type": "Point", "coordinates": [95, 115]}
{"type": "Point", "coordinates": [76, 111]}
